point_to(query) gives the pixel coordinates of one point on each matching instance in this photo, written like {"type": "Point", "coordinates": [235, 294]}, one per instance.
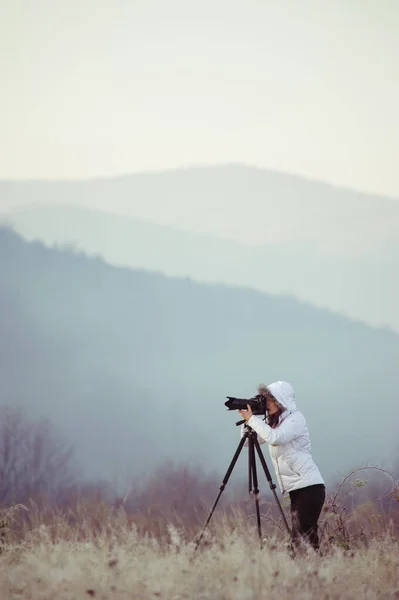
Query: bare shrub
{"type": "Point", "coordinates": [361, 508]}
{"type": "Point", "coordinates": [176, 494]}
{"type": "Point", "coordinates": [34, 462]}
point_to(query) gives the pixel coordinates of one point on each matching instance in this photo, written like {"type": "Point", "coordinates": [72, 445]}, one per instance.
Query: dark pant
{"type": "Point", "coordinates": [306, 505]}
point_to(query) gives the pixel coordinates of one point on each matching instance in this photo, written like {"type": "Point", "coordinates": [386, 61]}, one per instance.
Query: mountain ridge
{"type": "Point", "coordinates": [337, 283]}
{"type": "Point", "coordinates": [227, 201]}
{"type": "Point", "coordinates": [201, 167]}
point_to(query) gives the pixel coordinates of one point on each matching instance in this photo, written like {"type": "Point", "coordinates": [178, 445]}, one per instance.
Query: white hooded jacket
{"type": "Point", "coordinates": [289, 442]}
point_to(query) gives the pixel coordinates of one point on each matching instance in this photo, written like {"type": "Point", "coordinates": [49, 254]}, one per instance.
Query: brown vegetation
{"type": "Point", "coordinates": [60, 539]}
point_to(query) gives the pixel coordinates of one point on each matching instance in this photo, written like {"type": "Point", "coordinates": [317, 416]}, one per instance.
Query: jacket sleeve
{"type": "Point", "coordinates": [292, 427]}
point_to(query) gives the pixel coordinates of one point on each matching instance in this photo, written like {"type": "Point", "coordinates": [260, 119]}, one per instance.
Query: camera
{"type": "Point", "coordinates": [257, 404]}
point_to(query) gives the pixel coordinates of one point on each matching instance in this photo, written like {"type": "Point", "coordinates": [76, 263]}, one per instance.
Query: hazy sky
{"type": "Point", "coordinates": [101, 87]}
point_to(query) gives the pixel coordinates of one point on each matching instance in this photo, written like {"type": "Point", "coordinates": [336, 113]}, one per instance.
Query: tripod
{"type": "Point", "coordinates": [253, 443]}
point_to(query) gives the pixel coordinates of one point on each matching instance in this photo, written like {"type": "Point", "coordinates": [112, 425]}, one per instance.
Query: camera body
{"type": "Point", "coordinates": [257, 404]}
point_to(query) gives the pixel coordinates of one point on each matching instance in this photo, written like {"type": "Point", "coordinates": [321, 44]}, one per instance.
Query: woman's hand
{"type": "Point", "coordinates": [246, 414]}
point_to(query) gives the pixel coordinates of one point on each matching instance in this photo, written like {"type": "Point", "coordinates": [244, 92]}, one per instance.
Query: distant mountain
{"type": "Point", "coordinates": [135, 366]}
{"type": "Point", "coordinates": [363, 287]}
{"type": "Point", "coordinates": [235, 201]}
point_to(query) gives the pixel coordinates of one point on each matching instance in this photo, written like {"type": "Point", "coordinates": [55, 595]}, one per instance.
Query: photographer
{"type": "Point", "coordinates": [286, 432]}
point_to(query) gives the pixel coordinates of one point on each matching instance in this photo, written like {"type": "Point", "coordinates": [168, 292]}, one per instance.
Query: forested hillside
{"type": "Point", "coordinates": [135, 366]}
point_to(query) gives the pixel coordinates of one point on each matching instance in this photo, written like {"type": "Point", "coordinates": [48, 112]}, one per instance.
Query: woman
{"type": "Point", "coordinates": [287, 434]}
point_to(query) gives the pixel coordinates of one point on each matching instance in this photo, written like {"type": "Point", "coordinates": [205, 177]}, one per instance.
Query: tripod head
{"type": "Point", "coordinates": [244, 421]}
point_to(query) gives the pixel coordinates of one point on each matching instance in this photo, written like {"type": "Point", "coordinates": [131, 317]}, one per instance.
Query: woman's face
{"type": "Point", "coordinates": [272, 407]}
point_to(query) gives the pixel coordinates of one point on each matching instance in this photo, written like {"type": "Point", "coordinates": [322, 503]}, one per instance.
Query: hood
{"type": "Point", "coordinates": [284, 393]}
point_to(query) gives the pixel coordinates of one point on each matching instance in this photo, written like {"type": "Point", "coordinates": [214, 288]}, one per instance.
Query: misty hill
{"type": "Point", "coordinates": [361, 286]}
{"type": "Point", "coordinates": [236, 201]}
{"type": "Point", "coordinates": [135, 366]}
{"type": "Point", "coordinates": [329, 246]}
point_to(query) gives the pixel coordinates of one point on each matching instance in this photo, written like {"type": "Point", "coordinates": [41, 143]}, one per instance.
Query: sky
{"type": "Point", "coordinates": [103, 87]}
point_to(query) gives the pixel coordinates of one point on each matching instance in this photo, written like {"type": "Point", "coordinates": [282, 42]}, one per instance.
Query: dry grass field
{"type": "Point", "coordinates": [141, 546]}
{"type": "Point", "coordinates": [104, 554]}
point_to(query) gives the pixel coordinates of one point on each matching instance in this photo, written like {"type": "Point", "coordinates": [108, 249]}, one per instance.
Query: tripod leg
{"type": "Point", "coordinates": [224, 483]}
{"type": "Point", "coordinates": [251, 453]}
{"type": "Point", "coordinates": [253, 471]}
{"type": "Point", "coordinates": [269, 479]}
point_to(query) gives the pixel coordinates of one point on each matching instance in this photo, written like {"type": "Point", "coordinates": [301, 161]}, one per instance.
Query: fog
{"type": "Point", "coordinates": [134, 366]}
{"type": "Point", "coordinates": [194, 199]}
